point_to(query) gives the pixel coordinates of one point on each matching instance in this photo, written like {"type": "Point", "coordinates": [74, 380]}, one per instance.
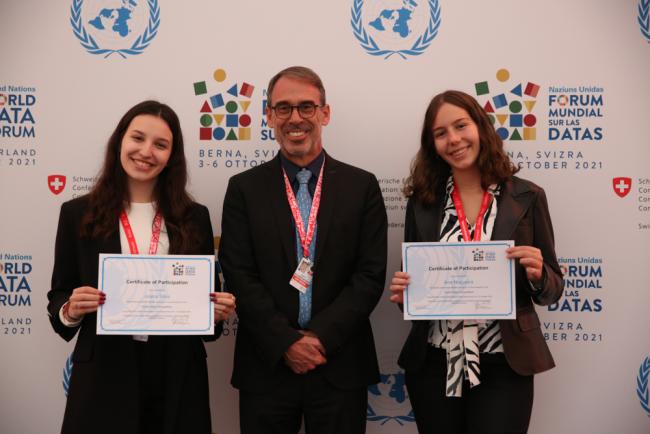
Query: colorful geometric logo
{"type": "Point", "coordinates": [404, 28]}
{"type": "Point", "coordinates": [56, 183]}
{"type": "Point", "coordinates": [622, 185]}
{"type": "Point", "coordinates": [510, 110]}
{"type": "Point", "coordinates": [224, 116]}
{"type": "Point", "coordinates": [480, 255]}
{"type": "Point", "coordinates": [178, 269]}
{"type": "Point", "coordinates": [124, 27]}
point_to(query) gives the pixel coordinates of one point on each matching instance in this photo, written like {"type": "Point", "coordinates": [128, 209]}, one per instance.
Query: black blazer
{"type": "Point", "coordinates": [104, 387]}
{"type": "Point", "coordinates": [523, 217]}
{"type": "Point", "coordinates": [258, 257]}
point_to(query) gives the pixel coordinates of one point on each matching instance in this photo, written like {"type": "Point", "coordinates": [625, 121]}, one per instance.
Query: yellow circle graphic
{"type": "Point", "coordinates": [503, 75]}
{"type": "Point", "coordinates": [219, 75]}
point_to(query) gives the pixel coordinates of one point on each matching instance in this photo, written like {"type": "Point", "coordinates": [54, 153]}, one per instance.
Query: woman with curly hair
{"type": "Point", "coordinates": [467, 376]}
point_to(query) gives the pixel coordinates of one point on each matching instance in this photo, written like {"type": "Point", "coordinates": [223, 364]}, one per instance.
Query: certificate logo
{"type": "Point", "coordinates": [405, 28]}
{"type": "Point", "coordinates": [122, 27]}
{"type": "Point", "coordinates": [643, 18]}
{"type": "Point", "coordinates": [179, 269]}
{"type": "Point", "coordinates": [622, 185]}
{"type": "Point", "coordinates": [480, 255]}
{"type": "Point", "coordinates": [642, 385]}
{"type": "Point", "coordinates": [56, 183]}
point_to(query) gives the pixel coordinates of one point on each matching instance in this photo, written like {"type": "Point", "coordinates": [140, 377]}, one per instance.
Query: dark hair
{"type": "Point", "coordinates": [300, 73]}
{"type": "Point", "coordinates": [110, 194]}
{"type": "Point", "coordinates": [429, 171]}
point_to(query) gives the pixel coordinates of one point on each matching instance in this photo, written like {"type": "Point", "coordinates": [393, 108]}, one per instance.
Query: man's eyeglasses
{"type": "Point", "coordinates": [306, 110]}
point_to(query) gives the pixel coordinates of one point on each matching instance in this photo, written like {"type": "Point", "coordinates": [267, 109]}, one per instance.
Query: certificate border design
{"type": "Point", "coordinates": [154, 332]}
{"type": "Point", "coordinates": [472, 245]}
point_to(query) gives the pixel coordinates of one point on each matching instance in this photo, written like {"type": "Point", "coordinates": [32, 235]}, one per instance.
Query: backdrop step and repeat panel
{"type": "Point", "coordinates": [566, 83]}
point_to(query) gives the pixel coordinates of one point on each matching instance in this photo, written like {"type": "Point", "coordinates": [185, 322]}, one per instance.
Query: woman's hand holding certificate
{"type": "Point", "coordinates": [457, 281]}
{"type": "Point", "coordinates": [157, 295]}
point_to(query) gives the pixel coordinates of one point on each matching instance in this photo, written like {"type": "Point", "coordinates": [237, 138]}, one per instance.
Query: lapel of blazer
{"type": "Point", "coordinates": [513, 202]}
{"type": "Point", "coordinates": [328, 197]}
{"type": "Point", "coordinates": [112, 243]}
{"type": "Point", "coordinates": [108, 245]}
{"type": "Point", "coordinates": [428, 219]}
{"type": "Point", "coordinates": [276, 197]}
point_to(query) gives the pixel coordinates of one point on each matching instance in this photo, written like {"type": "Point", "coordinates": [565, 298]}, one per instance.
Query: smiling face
{"type": "Point", "coordinates": [144, 152]}
{"type": "Point", "coordinates": [456, 138]}
{"type": "Point", "coordinates": [300, 139]}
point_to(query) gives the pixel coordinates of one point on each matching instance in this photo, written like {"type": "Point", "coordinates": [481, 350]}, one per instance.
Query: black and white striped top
{"type": "Point", "coordinates": [441, 331]}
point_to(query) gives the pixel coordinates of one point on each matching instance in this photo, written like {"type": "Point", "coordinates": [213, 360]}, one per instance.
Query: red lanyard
{"type": "Point", "coordinates": [305, 238]}
{"type": "Point", "coordinates": [155, 233]}
{"type": "Point", "coordinates": [462, 220]}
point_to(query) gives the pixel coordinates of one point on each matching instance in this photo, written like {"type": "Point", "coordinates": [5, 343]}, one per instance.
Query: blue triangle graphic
{"type": "Point", "coordinates": [233, 90]}
{"type": "Point", "coordinates": [517, 90]}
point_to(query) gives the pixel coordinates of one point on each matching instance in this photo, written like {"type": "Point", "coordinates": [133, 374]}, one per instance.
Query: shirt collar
{"type": "Point", "coordinates": [292, 169]}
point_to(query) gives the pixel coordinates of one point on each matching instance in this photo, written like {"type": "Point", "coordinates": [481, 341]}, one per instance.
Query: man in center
{"type": "Point", "coordinates": [303, 248]}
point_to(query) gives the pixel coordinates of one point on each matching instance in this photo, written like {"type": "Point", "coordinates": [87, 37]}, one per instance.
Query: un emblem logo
{"type": "Point", "coordinates": [67, 373]}
{"type": "Point", "coordinates": [388, 399]}
{"type": "Point", "coordinates": [123, 27]}
{"type": "Point", "coordinates": [402, 27]}
{"type": "Point", "coordinates": [642, 385]}
{"type": "Point", "coordinates": [644, 18]}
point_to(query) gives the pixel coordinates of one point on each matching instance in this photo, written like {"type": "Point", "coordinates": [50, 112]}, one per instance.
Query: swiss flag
{"type": "Point", "coordinates": [56, 183]}
{"type": "Point", "coordinates": [622, 185]}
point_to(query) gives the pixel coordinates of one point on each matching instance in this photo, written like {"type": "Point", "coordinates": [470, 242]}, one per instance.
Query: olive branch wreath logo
{"type": "Point", "coordinates": [88, 42]}
{"type": "Point", "coordinates": [67, 373]}
{"type": "Point", "coordinates": [374, 417]}
{"type": "Point", "coordinates": [644, 18]}
{"type": "Point", "coordinates": [418, 47]}
{"type": "Point", "coordinates": [642, 385]}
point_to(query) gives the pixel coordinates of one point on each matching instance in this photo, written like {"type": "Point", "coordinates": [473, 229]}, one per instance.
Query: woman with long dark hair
{"type": "Point", "coordinates": [470, 376]}
{"type": "Point", "coordinates": [132, 384]}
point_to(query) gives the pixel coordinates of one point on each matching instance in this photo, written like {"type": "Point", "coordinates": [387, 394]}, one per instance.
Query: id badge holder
{"type": "Point", "coordinates": [303, 275]}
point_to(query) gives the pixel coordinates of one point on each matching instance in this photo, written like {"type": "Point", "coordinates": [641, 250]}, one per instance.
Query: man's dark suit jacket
{"type": "Point", "coordinates": [104, 389]}
{"type": "Point", "coordinates": [258, 257]}
{"type": "Point", "coordinates": [522, 216]}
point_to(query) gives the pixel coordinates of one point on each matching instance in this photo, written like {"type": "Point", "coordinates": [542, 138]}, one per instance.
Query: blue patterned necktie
{"type": "Point", "coordinates": [304, 205]}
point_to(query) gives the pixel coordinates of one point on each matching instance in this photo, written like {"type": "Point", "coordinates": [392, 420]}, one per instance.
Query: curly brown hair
{"type": "Point", "coordinates": [429, 171]}
{"type": "Point", "coordinates": [110, 194]}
